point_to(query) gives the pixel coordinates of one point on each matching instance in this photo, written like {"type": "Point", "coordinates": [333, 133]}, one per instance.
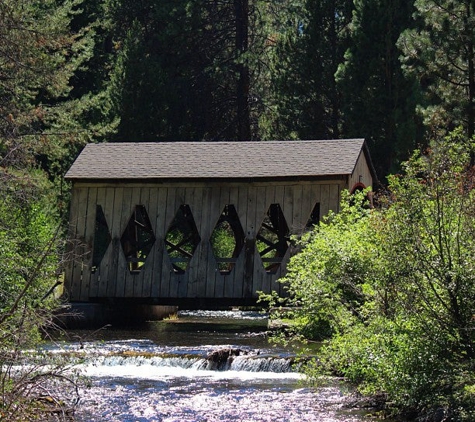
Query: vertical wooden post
{"type": "Point", "coordinates": [249, 251]}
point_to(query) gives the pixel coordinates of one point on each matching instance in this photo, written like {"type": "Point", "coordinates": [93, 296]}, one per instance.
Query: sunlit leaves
{"type": "Point", "coordinates": [432, 224]}
{"type": "Point", "coordinates": [329, 278]}
{"type": "Point", "coordinates": [394, 287]}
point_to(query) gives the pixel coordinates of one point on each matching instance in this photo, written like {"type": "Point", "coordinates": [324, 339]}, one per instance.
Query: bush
{"type": "Point", "coordinates": [30, 382]}
{"type": "Point", "coordinates": [393, 289]}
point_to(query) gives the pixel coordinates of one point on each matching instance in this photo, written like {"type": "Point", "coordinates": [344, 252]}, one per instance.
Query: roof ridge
{"type": "Point", "coordinates": [201, 159]}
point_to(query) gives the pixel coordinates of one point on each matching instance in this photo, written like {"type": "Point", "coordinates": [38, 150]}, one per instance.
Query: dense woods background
{"type": "Point", "coordinates": [397, 73]}
{"type": "Point", "coordinates": [391, 71]}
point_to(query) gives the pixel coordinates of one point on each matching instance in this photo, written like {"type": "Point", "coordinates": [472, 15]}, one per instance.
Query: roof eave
{"type": "Point", "coordinates": [370, 164]}
{"type": "Point", "coordinates": [211, 180]}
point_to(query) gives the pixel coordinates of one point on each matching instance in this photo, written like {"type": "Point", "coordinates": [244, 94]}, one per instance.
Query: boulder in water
{"type": "Point", "coordinates": [222, 358]}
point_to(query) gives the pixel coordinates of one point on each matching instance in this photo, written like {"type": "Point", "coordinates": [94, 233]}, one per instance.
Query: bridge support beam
{"type": "Point", "coordinates": [97, 315]}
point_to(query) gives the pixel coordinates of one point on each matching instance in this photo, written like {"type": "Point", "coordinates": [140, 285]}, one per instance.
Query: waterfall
{"type": "Point", "coordinates": [207, 365]}
{"type": "Point", "coordinates": [219, 359]}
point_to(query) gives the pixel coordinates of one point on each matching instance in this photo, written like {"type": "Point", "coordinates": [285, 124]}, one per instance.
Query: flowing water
{"type": "Point", "coordinates": [203, 366]}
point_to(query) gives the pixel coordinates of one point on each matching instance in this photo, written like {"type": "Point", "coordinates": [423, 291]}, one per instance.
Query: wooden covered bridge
{"type": "Point", "coordinates": [199, 224]}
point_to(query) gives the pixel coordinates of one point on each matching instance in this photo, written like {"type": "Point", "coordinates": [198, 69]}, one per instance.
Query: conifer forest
{"type": "Point", "coordinates": [399, 73]}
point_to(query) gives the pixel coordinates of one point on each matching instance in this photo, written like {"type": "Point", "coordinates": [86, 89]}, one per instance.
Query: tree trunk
{"type": "Point", "coordinates": [242, 91]}
{"type": "Point", "coordinates": [334, 95]}
{"type": "Point", "coordinates": [471, 77]}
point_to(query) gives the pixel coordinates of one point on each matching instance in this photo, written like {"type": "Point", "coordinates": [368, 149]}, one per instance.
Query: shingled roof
{"type": "Point", "coordinates": [217, 160]}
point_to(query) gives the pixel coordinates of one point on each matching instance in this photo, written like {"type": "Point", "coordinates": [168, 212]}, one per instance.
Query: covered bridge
{"type": "Point", "coordinates": [199, 224]}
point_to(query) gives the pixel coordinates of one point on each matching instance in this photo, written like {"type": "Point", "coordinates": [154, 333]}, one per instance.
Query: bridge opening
{"type": "Point", "coordinates": [227, 239]}
{"type": "Point", "coordinates": [138, 239]}
{"type": "Point", "coordinates": [273, 239]}
{"type": "Point", "coordinates": [182, 239]}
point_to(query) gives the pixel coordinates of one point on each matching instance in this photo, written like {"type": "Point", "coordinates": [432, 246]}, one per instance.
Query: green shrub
{"type": "Point", "coordinates": [393, 289]}
{"type": "Point", "coordinates": [329, 280]}
{"type": "Point", "coordinates": [30, 251]}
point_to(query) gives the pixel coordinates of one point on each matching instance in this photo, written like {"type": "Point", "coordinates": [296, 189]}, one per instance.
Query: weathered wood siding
{"type": "Point", "coordinates": [157, 279]}
{"type": "Point", "coordinates": [361, 174]}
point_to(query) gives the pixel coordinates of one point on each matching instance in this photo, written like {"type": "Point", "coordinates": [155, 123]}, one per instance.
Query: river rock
{"type": "Point", "coordinates": [222, 358]}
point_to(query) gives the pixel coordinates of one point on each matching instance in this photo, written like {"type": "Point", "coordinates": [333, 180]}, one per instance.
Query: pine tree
{"type": "Point", "coordinates": [185, 69]}
{"type": "Point", "coordinates": [307, 101]}
{"type": "Point", "coordinates": [439, 53]}
{"type": "Point", "coordinates": [378, 101]}
{"type": "Point", "coordinates": [48, 109]}
{"type": "Point", "coordinates": [40, 54]}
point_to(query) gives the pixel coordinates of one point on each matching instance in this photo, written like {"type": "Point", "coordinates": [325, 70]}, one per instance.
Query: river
{"type": "Point", "coordinates": [202, 366]}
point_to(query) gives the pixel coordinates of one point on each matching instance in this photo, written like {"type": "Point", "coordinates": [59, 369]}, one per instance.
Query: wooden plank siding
{"type": "Point", "coordinates": [89, 237]}
{"type": "Point", "coordinates": [361, 176]}
{"type": "Point", "coordinates": [196, 206]}
{"type": "Point", "coordinates": [161, 265]}
{"type": "Point", "coordinates": [77, 227]}
{"type": "Point", "coordinates": [202, 279]}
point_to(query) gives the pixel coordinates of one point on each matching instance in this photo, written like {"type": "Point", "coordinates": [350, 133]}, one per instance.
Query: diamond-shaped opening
{"type": "Point", "coordinates": [102, 239]}
{"type": "Point", "coordinates": [182, 239]}
{"type": "Point", "coordinates": [227, 239]}
{"type": "Point", "coordinates": [273, 239]}
{"type": "Point", "coordinates": [314, 218]}
{"type": "Point", "coordinates": [137, 240]}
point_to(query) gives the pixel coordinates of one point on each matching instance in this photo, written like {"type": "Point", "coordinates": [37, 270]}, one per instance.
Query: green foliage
{"type": "Point", "coordinates": [394, 357]}
{"type": "Point", "coordinates": [223, 241]}
{"type": "Point", "coordinates": [40, 133]}
{"type": "Point", "coordinates": [42, 119]}
{"type": "Point", "coordinates": [432, 242]}
{"type": "Point", "coordinates": [393, 288]}
{"type": "Point", "coordinates": [378, 102]}
{"type": "Point", "coordinates": [439, 52]}
{"type": "Point", "coordinates": [334, 267]}
{"type": "Point", "coordinates": [30, 247]}
{"type": "Point", "coordinates": [223, 244]}
{"type": "Point", "coordinates": [304, 102]}
{"type": "Point", "coordinates": [30, 250]}
{"type": "Point", "coordinates": [186, 70]}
